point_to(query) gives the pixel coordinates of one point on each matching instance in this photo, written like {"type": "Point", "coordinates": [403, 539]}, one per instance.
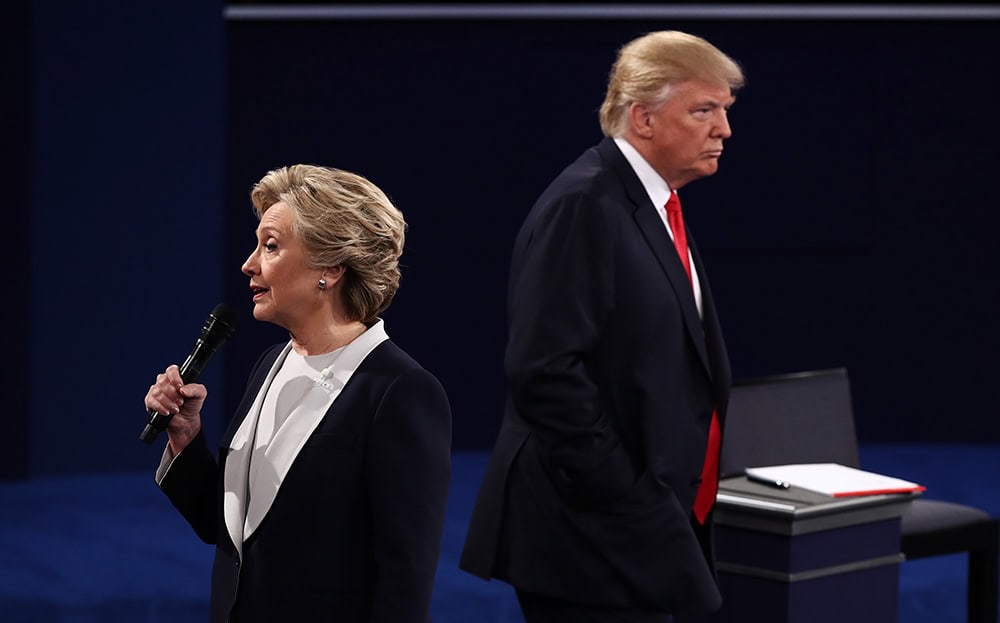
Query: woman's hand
{"type": "Point", "coordinates": [169, 395]}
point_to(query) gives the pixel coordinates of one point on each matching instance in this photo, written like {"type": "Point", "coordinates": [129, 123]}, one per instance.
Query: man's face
{"type": "Point", "coordinates": [688, 131]}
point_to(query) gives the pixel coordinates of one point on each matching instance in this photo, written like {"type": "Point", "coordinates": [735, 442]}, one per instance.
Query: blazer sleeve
{"type": "Point", "coordinates": [409, 469]}
{"type": "Point", "coordinates": [190, 484]}
{"type": "Point", "coordinates": [562, 297]}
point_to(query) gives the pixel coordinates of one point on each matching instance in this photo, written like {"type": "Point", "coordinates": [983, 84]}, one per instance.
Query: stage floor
{"type": "Point", "coordinates": [109, 547]}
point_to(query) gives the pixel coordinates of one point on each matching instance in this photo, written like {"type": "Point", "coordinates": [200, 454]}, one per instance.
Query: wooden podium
{"type": "Point", "coordinates": [795, 556]}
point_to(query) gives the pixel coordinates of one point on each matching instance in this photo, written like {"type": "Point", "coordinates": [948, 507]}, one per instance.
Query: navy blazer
{"type": "Point", "coordinates": [612, 381]}
{"type": "Point", "coordinates": [354, 532]}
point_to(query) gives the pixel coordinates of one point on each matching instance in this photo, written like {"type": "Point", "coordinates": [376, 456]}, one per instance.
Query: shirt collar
{"type": "Point", "coordinates": [656, 187]}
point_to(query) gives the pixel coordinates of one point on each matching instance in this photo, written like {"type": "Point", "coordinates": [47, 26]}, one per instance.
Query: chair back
{"type": "Point", "coordinates": [803, 417]}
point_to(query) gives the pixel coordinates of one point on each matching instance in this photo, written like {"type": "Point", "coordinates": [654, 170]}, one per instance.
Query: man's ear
{"type": "Point", "coordinates": [640, 120]}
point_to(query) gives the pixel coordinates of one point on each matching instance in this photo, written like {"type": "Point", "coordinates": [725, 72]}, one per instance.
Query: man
{"type": "Point", "coordinates": [617, 372]}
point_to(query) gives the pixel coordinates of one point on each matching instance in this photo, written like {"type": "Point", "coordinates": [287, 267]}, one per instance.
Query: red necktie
{"type": "Point", "coordinates": [710, 470]}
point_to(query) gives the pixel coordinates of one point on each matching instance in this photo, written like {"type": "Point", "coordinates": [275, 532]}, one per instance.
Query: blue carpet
{"type": "Point", "coordinates": [106, 548]}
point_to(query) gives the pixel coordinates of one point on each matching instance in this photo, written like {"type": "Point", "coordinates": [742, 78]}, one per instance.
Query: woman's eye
{"type": "Point", "coordinates": [271, 246]}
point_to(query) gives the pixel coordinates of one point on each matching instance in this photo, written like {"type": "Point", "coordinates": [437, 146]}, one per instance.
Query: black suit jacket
{"type": "Point", "coordinates": [355, 530]}
{"type": "Point", "coordinates": [612, 380]}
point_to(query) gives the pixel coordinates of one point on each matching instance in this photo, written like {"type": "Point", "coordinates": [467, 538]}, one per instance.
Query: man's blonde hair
{"type": "Point", "coordinates": [648, 67]}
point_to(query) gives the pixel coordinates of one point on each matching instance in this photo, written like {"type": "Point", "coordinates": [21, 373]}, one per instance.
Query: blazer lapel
{"type": "Point", "coordinates": [287, 441]}
{"type": "Point", "coordinates": [235, 473]}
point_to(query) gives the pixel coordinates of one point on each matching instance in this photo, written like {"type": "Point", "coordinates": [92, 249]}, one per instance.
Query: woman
{"type": "Point", "coordinates": [327, 501]}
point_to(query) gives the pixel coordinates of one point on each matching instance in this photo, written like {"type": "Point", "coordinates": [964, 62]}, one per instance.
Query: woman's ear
{"type": "Point", "coordinates": [331, 276]}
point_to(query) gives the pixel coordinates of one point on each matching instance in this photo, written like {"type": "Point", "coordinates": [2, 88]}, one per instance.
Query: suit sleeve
{"type": "Point", "coordinates": [561, 300]}
{"type": "Point", "coordinates": [409, 469]}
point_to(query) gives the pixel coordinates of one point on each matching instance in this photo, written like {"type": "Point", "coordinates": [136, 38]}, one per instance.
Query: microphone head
{"type": "Point", "coordinates": [225, 314]}
{"type": "Point", "coordinates": [219, 325]}
{"type": "Point", "coordinates": [217, 329]}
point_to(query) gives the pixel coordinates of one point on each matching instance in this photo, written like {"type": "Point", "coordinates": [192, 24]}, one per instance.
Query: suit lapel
{"type": "Point", "coordinates": [721, 374]}
{"type": "Point", "coordinates": [666, 254]}
{"type": "Point", "coordinates": [661, 244]}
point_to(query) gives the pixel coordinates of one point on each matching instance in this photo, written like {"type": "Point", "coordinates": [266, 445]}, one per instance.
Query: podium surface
{"type": "Point", "coordinates": [796, 556]}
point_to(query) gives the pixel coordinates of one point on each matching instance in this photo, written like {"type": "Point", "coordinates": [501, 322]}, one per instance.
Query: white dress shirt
{"type": "Point", "coordinates": [659, 193]}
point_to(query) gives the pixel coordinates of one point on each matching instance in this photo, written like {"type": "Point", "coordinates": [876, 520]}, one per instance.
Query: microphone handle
{"type": "Point", "coordinates": [157, 424]}
{"type": "Point", "coordinates": [190, 371]}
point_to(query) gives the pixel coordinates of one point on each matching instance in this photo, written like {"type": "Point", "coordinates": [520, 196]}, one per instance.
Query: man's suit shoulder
{"type": "Point", "coordinates": [591, 173]}
{"type": "Point", "coordinates": [595, 183]}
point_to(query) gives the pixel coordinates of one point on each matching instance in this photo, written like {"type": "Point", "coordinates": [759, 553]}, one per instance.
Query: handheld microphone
{"type": "Point", "coordinates": [218, 328]}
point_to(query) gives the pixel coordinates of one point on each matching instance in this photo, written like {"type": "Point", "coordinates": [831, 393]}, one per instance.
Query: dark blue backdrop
{"type": "Point", "coordinates": [123, 203]}
{"type": "Point", "coordinates": [15, 46]}
{"type": "Point", "coordinates": [136, 131]}
{"type": "Point", "coordinates": [851, 223]}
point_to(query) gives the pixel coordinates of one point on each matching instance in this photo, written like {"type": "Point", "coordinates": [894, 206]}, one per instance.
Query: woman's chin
{"type": "Point", "coordinates": [260, 312]}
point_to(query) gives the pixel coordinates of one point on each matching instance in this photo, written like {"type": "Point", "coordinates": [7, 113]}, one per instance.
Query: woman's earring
{"type": "Point", "coordinates": [322, 284]}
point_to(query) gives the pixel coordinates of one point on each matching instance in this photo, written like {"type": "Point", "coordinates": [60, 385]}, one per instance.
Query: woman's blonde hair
{"type": "Point", "coordinates": [341, 219]}
{"type": "Point", "coordinates": [647, 68]}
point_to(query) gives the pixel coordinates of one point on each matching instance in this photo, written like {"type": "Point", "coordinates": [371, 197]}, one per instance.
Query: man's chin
{"type": "Point", "coordinates": [708, 168]}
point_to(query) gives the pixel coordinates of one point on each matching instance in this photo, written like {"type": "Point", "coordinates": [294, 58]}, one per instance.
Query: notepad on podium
{"type": "Point", "coordinates": [832, 479]}
{"type": "Point", "coordinates": [792, 540]}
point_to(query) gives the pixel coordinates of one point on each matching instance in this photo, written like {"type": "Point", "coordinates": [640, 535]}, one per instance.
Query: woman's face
{"type": "Point", "coordinates": [283, 285]}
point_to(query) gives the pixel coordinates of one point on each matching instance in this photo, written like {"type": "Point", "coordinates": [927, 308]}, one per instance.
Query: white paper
{"type": "Point", "coordinates": [833, 479]}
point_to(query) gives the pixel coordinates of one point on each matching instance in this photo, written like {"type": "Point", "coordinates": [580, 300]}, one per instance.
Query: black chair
{"type": "Point", "coordinates": [807, 417]}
